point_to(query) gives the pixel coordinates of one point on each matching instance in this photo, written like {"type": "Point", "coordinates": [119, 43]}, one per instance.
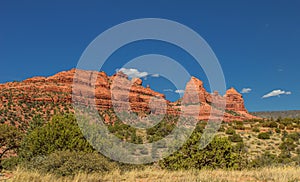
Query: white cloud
{"type": "Point", "coordinates": [179, 91]}
{"type": "Point", "coordinates": [246, 90]}
{"type": "Point", "coordinates": [133, 73]}
{"type": "Point", "coordinates": [276, 93]}
{"type": "Point", "coordinates": [168, 90]}
{"type": "Point", "coordinates": [155, 75]}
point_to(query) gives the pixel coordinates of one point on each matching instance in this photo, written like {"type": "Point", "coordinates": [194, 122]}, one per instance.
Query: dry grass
{"type": "Point", "coordinates": [150, 174]}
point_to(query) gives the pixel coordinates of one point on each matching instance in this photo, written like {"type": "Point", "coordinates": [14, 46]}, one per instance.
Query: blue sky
{"type": "Point", "coordinates": [256, 42]}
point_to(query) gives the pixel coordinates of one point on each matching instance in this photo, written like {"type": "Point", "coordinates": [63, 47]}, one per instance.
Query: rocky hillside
{"type": "Point", "coordinates": [41, 97]}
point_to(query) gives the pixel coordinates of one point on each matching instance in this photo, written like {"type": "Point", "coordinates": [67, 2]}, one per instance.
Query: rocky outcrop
{"type": "Point", "coordinates": [214, 106]}
{"type": "Point", "coordinates": [130, 95]}
{"type": "Point", "coordinates": [195, 92]}
{"type": "Point", "coordinates": [234, 101]}
{"type": "Point", "coordinates": [119, 93]}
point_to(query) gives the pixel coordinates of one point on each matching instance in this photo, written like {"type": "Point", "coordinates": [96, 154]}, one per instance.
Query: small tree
{"type": "Point", "coordinates": [273, 124]}
{"type": "Point", "coordinates": [235, 138]}
{"type": "Point", "coordinates": [264, 135]}
{"type": "Point", "coordinates": [61, 133]}
{"type": "Point", "coordinates": [255, 129]}
{"type": "Point", "coordinates": [266, 159]}
{"type": "Point", "coordinates": [10, 140]}
{"type": "Point", "coordinates": [230, 131]}
{"type": "Point", "coordinates": [288, 145]}
{"type": "Point", "coordinates": [220, 153]}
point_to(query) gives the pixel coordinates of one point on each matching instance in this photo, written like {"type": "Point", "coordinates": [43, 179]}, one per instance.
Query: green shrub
{"type": "Point", "coordinates": [290, 127]}
{"type": "Point", "coordinates": [270, 132]}
{"type": "Point", "coordinates": [256, 129]}
{"type": "Point", "coordinates": [266, 159]}
{"type": "Point", "coordinates": [288, 145]}
{"type": "Point", "coordinates": [296, 159]}
{"type": "Point", "coordinates": [270, 124]}
{"type": "Point", "coordinates": [165, 127]}
{"type": "Point", "coordinates": [61, 133]}
{"type": "Point", "coordinates": [281, 126]}
{"type": "Point", "coordinates": [285, 157]}
{"type": "Point", "coordinates": [232, 112]}
{"type": "Point", "coordinates": [294, 136]}
{"type": "Point", "coordinates": [239, 127]}
{"type": "Point", "coordinates": [65, 163]}
{"type": "Point", "coordinates": [273, 124]}
{"type": "Point", "coordinates": [221, 129]}
{"type": "Point", "coordinates": [239, 147]}
{"type": "Point", "coordinates": [286, 121]}
{"type": "Point", "coordinates": [241, 123]}
{"type": "Point", "coordinates": [277, 130]}
{"type": "Point", "coordinates": [264, 135]}
{"type": "Point", "coordinates": [10, 163]}
{"type": "Point", "coordinates": [298, 151]}
{"type": "Point", "coordinates": [235, 138]}
{"type": "Point", "coordinates": [230, 131]}
{"type": "Point", "coordinates": [218, 154]}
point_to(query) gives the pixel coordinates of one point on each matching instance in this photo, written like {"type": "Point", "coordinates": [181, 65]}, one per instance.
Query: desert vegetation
{"type": "Point", "coordinates": [57, 149]}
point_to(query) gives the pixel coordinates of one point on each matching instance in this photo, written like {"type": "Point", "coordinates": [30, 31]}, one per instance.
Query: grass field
{"type": "Point", "coordinates": [152, 174]}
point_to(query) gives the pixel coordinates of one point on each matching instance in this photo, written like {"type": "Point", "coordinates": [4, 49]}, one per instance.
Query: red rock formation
{"type": "Point", "coordinates": [132, 96]}
{"type": "Point", "coordinates": [234, 100]}
{"type": "Point", "coordinates": [192, 87]}
{"type": "Point", "coordinates": [212, 106]}
{"type": "Point", "coordinates": [115, 91]}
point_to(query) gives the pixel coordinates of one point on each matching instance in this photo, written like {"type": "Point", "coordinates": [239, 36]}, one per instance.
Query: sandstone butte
{"type": "Point", "coordinates": [115, 92]}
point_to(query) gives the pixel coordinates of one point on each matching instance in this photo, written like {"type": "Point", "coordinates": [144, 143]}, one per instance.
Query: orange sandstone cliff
{"type": "Point", "coordinates": [45, 96]}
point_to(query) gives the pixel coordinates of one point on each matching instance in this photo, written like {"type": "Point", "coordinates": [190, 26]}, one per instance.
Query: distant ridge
{"type": "Point", "coordinates": [277, 114]}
